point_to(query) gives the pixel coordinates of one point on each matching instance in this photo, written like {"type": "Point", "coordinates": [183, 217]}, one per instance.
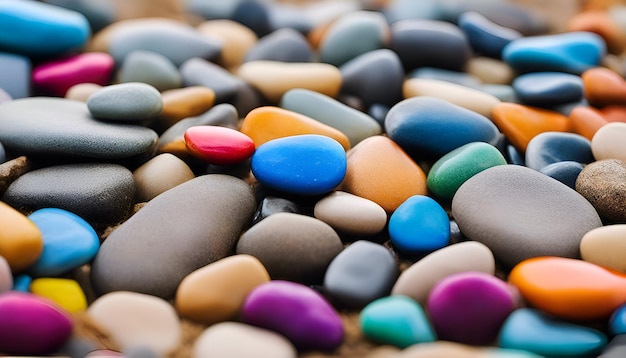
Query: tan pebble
{"type": "Point", "coordinates": [216, 292]}
{"type": "Point", "coordinates": [444, 349]}
{"type": "Point", "coordinates": [137, 320]}
{"type": "Point", "coordinates": [490, 70]}
{"type": "Point", "coordinates": [185, 102]}
{"type": "Point", "coordinates": [6, 278]}
{"type": "Point", "coordinates": [21, 242]}
{"type": "Point", "coordinates": [605, 246]}
{"type": "Point", "coordinates": [274, 78]}
{"type": "Point", "coordinates": [236, 39]}
{"type": "Point", "coordinates": [609, 142]}
{"type": "Point", "coordinates": [418, 280]}
{"type": "Point", "coordinates": [160, 174]}
{"type": "Point", "coordinates": [81, 91]}
{"type": "Point", "coordinates": [466, 97]}
{"type": "Point", "coordinates": [351, 214]}
{"type": "Point", "coordinates": [380, 171]}
{"type": "Point", "coordinates": [384, 352]}
{"type": "Point", "coordinates": [234, 339]}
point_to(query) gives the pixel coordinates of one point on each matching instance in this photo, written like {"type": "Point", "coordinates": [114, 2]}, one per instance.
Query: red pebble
{"type": "Point", "coordinates": [218, 145]}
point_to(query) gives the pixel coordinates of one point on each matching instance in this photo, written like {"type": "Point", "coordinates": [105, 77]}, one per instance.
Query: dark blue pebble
{"type": "Point", "coordinates": [486, 37]}
{"type": "Point", "coordinates": [566, 172]}
{"type": "Point", "coordinates": [553, 147]}
{"type": "Point", "coordinates": [548, 88]}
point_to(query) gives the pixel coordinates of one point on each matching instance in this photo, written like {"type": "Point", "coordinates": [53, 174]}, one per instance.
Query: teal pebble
{"type": "Point", "coordinates": [396, 320]}
{"type": "Point", "coordinates": [419, 225]}
{"type": "Point", "coordinates": [530, 330]}
{"type": "Point", "coordinates": [125, 102]}
{"type": "Point", "coordinates": [22, 283]}
{"type": "Point", "coordinates": [454, 168]}
{"type": "Point", "coordinates": [68, 242]}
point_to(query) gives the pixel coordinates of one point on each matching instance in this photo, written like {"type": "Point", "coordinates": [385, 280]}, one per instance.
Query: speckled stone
{"type": "Point", "coordinates": [125, 102]}
{"type": "Point", "coordinates": [603, 184]}
{"type": "Point", "coordinates": [287, 45]}
{"type": "Point", "coordinates": [151, 68]}
{"type": "Point", "coordinates": [160, 174]}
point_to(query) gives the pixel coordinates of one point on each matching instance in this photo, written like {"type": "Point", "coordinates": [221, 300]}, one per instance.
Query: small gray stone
{"type": "Point", "coordinates": [150, 68]}
{"type": "Point", "coordinates": [520, 213]}
{"type": "Point", "coordinates": [185, 228]}
{"type": "Point", "coordinates": [199, 72]}
{"type": "Point", "coordinates": [603, 184]}
{"type": "Point", "coordinates": [125, 102]}
{"type": "Point", "coordinates": [102, 194]}
{"type": "Point", "coordinates": [286, 45]}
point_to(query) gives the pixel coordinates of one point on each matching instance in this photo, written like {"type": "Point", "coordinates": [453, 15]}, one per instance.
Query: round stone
{"type": "Point", "coordinates": [608, 142]}
{"type": "Point", "coordinates": [22, 241]}
{"type": "Point", "coordinates": [605, 246]}
{"type": "Point", "coordinates": [603, 184]}
{"type": "Point", "coordinates": [181, 103]}
{"type": "Point", "coordinates": [64, 292]}
{"type": "Point", "coordinates": [125, 102]}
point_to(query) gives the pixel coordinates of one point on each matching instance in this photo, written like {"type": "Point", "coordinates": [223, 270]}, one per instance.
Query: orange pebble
{"type": "Point", "coordinates": [521, 123]}
{"type": "Point", "coordinates": [263, 124]}
{"type": "Point", "coordinates": [21, 242]}
{"type": "Point", "coordinates": [604, 87]}
{"type": "Point", "coordinates": [586, 121]}
{"type": "Point", "coordinates": [569, 288]}
{"type": "Point", "coordinates": [599, 22]}
{"type": "Point", "coordinates": [614, 113]}
{"type": "Point", "coordinates": [379, 170]}
{"type": "Point", "coordinates": [186, 102]}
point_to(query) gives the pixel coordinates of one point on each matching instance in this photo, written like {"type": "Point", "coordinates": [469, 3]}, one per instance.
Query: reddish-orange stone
{"type": "Point", "coordinates": [218, 145]}
{"type": "Point", "coordinates": [379, 170]}
{"type": "Point", "coordinates": [601, 23]}
{"type": "Point", "coordinates": [521, 123]}
{"type": "Point", "coordinates": [604, 87]}
{"type": "Point", "coordinates": [569, 288]}
{"type": "Point", "coordinates": [586, 121]}
{"type": "Point", "coordinates": [263, 124]}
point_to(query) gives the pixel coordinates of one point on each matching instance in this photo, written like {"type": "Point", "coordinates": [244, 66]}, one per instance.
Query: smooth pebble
{"type": "Point", "coordinates": [351, 214]}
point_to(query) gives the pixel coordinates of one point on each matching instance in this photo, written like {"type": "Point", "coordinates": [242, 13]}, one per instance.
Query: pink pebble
{"type": "Point", "coordinates": [56, 77]}
{"type": "Point", "coordinates": [218, 145]}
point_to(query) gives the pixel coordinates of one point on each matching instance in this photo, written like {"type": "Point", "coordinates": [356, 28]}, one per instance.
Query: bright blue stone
{"type": "Point", "coordinates": [572, 52]}
{"type": "Point", "coordinates": [68, 242]}
{"type": "Point", "coordinates": [548, 88]}
{"type": "Point", "coordinates": [37, 29]}
{"type": "Point", "coordinates": [22, 282]}
{"type": "Point", "coordinates": [307, 164]}
{"type": "Point", "coordinates": [553, 147]}
{"type": "Point", "coordinates": [419, 225]}
{"type": "Point", "coordinates": [617, 323]}
{"type": "Point", "coordinates": [566, 172]}
{"type": "Point", "coordinates": [427, 126]}
{"type": "Point", "coordinates": [530, 330]}
{"type": "Point", "coordinates": [485, 36]}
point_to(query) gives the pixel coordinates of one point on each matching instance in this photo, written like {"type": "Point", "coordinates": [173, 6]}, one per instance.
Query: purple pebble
{"type": "Point", "coordinates": [297, 312]}
{"type": "Point", "coordinates": [470, 307]}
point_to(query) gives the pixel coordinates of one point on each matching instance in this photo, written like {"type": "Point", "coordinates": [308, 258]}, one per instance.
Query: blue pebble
{"type": "Point", "coordinates": [419, 225]}
{"type": "Point", "coordinates": [68, 242]}
{"type": "Point", "coordinates": [485, 36]}
{"type": "Point", "coordinates": [37, 29]}
{"type": "Point", "coordinates": [566, 172]}
{"type": "Point", "coordinates": [572, 52]}
{"type": "Point", "coordinates": [548, 88]}
{"type": "Point", "coordinates": [308, 164]}
{"type": "Point", "coordinates": [22, 282]}
{"type": "Point", "coordinates": [427, 126]}
{"type": "Point", "coordinates": [617, 322]}
{"type": "Point", "coordinates": [15, 74]}
{"type": "Point", "coordinates": [553, 147]}
{"type": "Point", "coordinates": [531, 330]}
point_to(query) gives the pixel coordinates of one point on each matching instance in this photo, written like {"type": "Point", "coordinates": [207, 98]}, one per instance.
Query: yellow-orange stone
{"type": "Point", "coordinates": [569, 288]}
{"type": "Point", "coordinates": [21, 242]}
{"type": "Point", "coordinates": [521, 123]}
{"type": "Point", "coordinates": [185, 102]}
{"type": "Point", "coordinates": [379, 170]}
{"type": "Point", "coordinates": [586, 121]}
{"type": "Point", "coordinates": [266, 123]}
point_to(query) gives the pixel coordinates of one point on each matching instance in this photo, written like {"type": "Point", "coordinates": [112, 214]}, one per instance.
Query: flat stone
{"type": "Point", "coordinates": [151, 68]}
{"type": "Point", "coordinates": [602, 184]}
{"type": "Point", "coordinates": [22, 239]}
{"type": "Point", "coordinates": [181, 103]}
{"type": "Point", "coordinates": [520, 213]}
{"type": "Point", "coordinates": [101, 194]}
{"type": "Point", "coordinates": [125, 102]}
{"type": "Point", "coordinates": [159, 174]}
{"type": "Point", "coordinates": [65, 128]}
{"type": "Point", "coordinates": [604, 246]}
{"type": "Point", "coordinates": [15, 75]}
{"type": "Point", "coordinates": [351, 214]}
{"type": "Point", "coordinates": [287, 45]}
{"type": "Point", "coordinates": [218, 145]}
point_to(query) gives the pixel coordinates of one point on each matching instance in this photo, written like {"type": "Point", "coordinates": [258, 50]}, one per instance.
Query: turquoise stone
{"type": "Point", "coordinates": [617, 323]}
{"type": "Point", "coordinates": [530, 330]}
{"type": "Point", "coordinates": [396, 320]}
{"type": "Point", "coordinates": [22, 282]}
{"type": "Point", "coordinates": [454, 168]}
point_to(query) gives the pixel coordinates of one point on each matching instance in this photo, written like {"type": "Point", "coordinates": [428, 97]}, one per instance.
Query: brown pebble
{"type": "Point", "coordinates": [81, 91]}
{"type": "Point", "coordinates": [236, 38]}
{"type": "Point", "coordinates": [159, 174]}
{"type": "Point", "coordinates": [185, 102]}
{"type": "Point", "coordinates": [603, 184]}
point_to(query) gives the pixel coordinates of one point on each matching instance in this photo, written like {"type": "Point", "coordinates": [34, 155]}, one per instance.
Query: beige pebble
{"type": "Point", "coordinates": [609, 142]}
{"type": "Point", "coordinates": [418, 280]}
{"type": "Point", "coordinates": [490, 70]}
{"type": "Point", "coordinates": [466, 97]}
{"type": "Point", "coordinates": [351, 214]}
{"type": "Point", "coordinates": [137, 320]}
{"type": "Point", "coordinates": [6, 278]}
{"type": "Point", "coordinates": [236, 39]}
{"type": "Point", "coordinates": [384, 352]}
{"type": "Point", "coordinates": [160, 174]}
{"type": "Point", "coordinates": [234, 339]}
{"type": "Point", "coordinates": [185, 102]}
{"type": "Point", "coordinates": [605, 246]}
{"type": "Point", "coordinates": [446, 349]}
{"type": "Point", "coordinates": [274, 78]}
{"type": "Point", "coordinates": [81, 91]}
{"type": "Point", "coordinates": [216, 292]}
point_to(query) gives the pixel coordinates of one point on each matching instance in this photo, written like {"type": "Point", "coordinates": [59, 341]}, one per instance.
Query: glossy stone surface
{"type": "Point", "coordinates": [218, 145]}
{"type": "Point", "coordinates": [553, 147]}
{"type": "Point", "coordinates": [485, 36]}
{"type": "Point", "coordinates": [548, 88]}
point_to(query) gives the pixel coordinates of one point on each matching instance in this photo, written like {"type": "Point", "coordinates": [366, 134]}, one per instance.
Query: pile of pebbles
{"type": "Point", "coordinates": [324, 179]}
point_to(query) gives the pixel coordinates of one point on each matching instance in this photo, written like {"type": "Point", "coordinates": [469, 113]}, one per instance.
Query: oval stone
{"type": "Point", "coordinates": [552, 147]}
{"type": "Point", "coordinates": [303, 164]}
{"type": "Point", "coordinates": [125, 102]}
{"type": "Point", "coordinates": [69, 242]}
{"type": "Point", "coordinates": [283, 242]}
{"type": "Point", "coordinates": [211, 212]}
{"type": "Point", "coordinates": [60, 127]}
{"type": "Point", "coordinates": [218, 145]}
{"type": "Point", "coordinates": [21, 241]}
{"type": "Point", "coordinates": [351, 214]}
{"type": "Point", "coordinates": [513, 210]}
{"type": "Point", "coordinates": [64, 292]}
{"type": "Point", "coordinates": [286, 45]}
{"type": "Point", "coordinates": [548, 88]}
{"type": "Point", "coordinates": [485, 36]}
{"type": "Point", "coordinates": [150, 68]}
{"type": "Point", "coordinates": [603, 184]}
{"type": "Point", "coordinates": [609, 142]}
{"type": "Point", "coordinates": [418, 279]}
{"type": "Point", "coordinates": [605, 246]}
{"type": "Point", "coordinates": [603, 87]}
{"type": "Point", "coordinates": [137, 320]}
{"type": "Point", "coordinates": [81, 91]}
{"type": "Point", "coordinates": [160, 174]}
{"type": "Point", "coordinates": [101, 194]}
{"type": "Point", "coordinates": [434, 127]}
{"type": "Point", "coordinates": [32, 325]}
{"type": "Point", "coordinates": [295, 310]}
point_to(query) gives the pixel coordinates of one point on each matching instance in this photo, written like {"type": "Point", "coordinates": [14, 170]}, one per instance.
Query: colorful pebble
{"type": "Point", "coordinates": [548, 88]}
{"type": "Point", "coordinates": [21, 242]}
{"type": "Point", "coordinates": [218, 145]}
{"type": "Point", "coordinates": [66, 293]}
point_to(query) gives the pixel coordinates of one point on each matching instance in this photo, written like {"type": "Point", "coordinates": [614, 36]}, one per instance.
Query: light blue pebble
{"type": "Point", "coordinates": [37, 29]}
{"type": "Point", "coordinates": [308, 164]}
{"type": "Point", "coordinates": [22, 282]}
{"type": "Point", "coordinates": [572, 52]}
{"type": "Point", "coordinates": [68, 242]}
{"type": "Point", "coordinates": [419, 225]}
{"type": "Point", "coordinates": [548, 88]}
{"type": "Point", "coordinates": [617, 322]}
{"type": "Point", "coordinates": [530, 330]}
